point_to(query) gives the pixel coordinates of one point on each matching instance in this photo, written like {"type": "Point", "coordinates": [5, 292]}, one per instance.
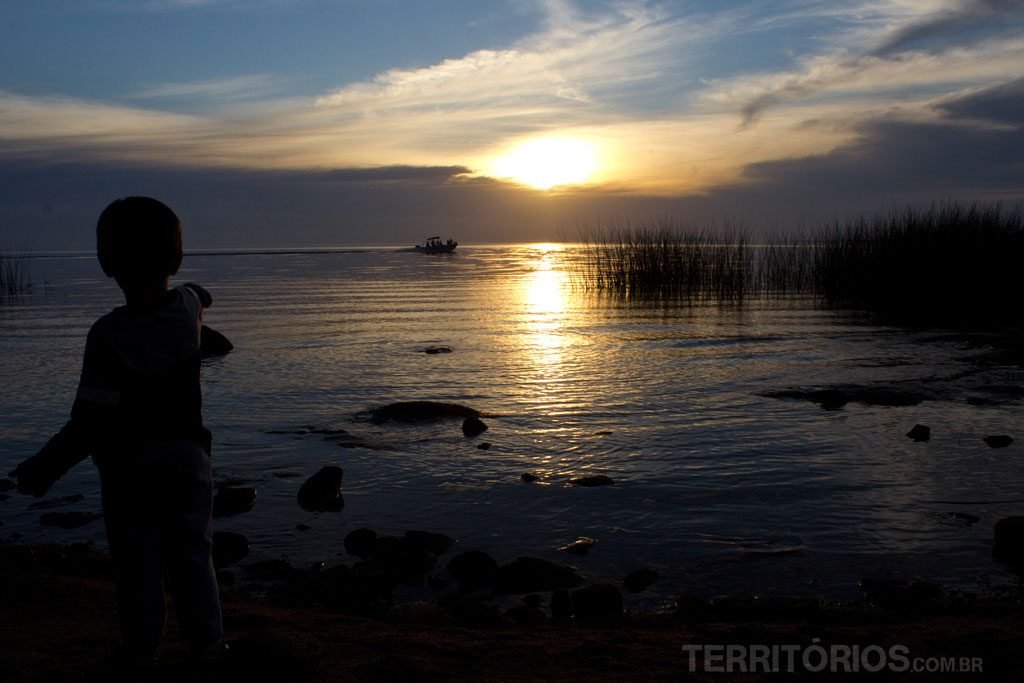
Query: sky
{"type": "Point", "coordinates": [277, 123]}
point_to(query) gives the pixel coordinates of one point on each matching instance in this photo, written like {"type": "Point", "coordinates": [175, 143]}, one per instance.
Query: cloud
{"type": "Point", "coordinates": [235, 88]}
{"type": "Point", "coordinates": [925, 43]}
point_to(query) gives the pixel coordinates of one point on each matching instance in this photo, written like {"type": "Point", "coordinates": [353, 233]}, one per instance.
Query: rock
{"type": "Point", "coordinates": [7, 485]}
{"type": "Point", "coordinates": [528, 477]}
{"type": "Point", "coordinates": [360, 542]}
{"type": "Point", "coordinates": [486, 445]}
{"type": "Point", "coordinates": [302, 527]}
{"type": "Point", "coordinates": [920, 433]}
{"type": "Point", "coordinates": [400, 559]}
{"type": "Point", "coordinates": [225, 577]}
{"type": "Point", "coordinates": [228, 548]}
{"type": "Point", "coordinates": [560, 605]}
{"type": "Point", "coordinates": [68, 520]}
{"type": "Point", "coordinates": [438, 544]}
{"type": "Point", "coordinates": [213, 343]}
{"type": "Point", "coordinates": [889, 594]}
{"type": "Point", "coordinates": [532, 574]}
{"type": "Point", "coordinates": [524, 615]}
{"type": "Point", "coordinates": [640, 579]}
{"type": "Point", "coordinates": [592, 480]}
{"type": "Point", "coordinates": [433, 350]}
{"type": "Point", "coordinates": [599, 602]}
{"type": "Point", "coordinates": [271, 570]}
{"type": "Point", "coordinates": [233, 500]}
{"type": "Point", "coordinates": [581, 546]}
{"type": "Point", "coordinates": [473, 569]}
{"type": "Point", "coordinates": [473, 426]}
{"type": "Point", "coordinates": [533, 600]}
{"type": "Point", "coordinates": [998, 441]}
{"type": "Point", "coordinates": [422, 410]}
{"type": "Point", "coordinates": [322, 491]}
{"type": "Point", "coordinates": [1008, 541]}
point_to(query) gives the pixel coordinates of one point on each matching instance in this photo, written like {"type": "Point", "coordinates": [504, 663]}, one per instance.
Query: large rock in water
{"type": "Point", "coordinates": [213, 343]}
{"type": "Point", "coordinates": [473, 426]}
{"type": "Point", "coordinates": [322, 491]}
{"type": "Point", "coordinates": [422, 410]}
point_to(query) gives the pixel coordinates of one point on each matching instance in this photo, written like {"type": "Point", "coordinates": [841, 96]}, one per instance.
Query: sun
{"type": "Point", "coordinates": [544, 163]}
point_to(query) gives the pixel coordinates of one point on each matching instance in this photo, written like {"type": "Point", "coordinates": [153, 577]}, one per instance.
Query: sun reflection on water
{"type": "Point", "coordinates": [545, 295]}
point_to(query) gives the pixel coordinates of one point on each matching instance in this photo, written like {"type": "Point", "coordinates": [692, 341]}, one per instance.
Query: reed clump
{"type": "Point", "coordinates": [952, 261]}
{"type": "Point", "coordinates": [14, 275]}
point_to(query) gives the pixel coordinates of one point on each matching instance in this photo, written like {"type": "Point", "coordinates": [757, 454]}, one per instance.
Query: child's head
{"type": "Point", "coordinates": [138, 241]}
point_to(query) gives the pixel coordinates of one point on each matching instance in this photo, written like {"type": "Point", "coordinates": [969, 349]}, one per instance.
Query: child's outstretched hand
{"type": "Point", "coordinates": [37, 474]}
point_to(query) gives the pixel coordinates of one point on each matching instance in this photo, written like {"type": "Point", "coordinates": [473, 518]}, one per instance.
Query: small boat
{"type": "Point", "coordinates": [434, 245]}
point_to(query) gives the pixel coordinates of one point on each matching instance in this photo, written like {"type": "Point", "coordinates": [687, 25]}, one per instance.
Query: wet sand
{"type": "Point", "coordinates": [57, 623]}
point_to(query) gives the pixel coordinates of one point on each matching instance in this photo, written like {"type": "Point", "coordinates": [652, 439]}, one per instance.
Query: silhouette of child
{"type": "Point", "coordinates": [138, 413]}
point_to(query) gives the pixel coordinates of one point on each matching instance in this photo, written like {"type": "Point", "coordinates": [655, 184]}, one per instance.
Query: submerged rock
{"type": "Point", "coordinates": [473, 426]}
{"type": "Point", "coordinates": [322, 491]}
{"type": "Point", "coordinates": [473, 569]}
{"type": "Point", "coordinates": [599, 602]}
{"type": "Point", "coordinates": [213, 343]}
{"type": "Point", "coordinates": [834, 398]}
{"type": "Point", "coordinates": [228, 548]}
{"type": "Point", "coordinates": [233, 500]}
{"type": "Point", "coordinates": [434, 350]}
{"type": "Point", "coordinates": [581, 546]}
{"type": "Point", "coordinates": [7, 485]}
{"type": "Point", "coordinates": [422, 410]}
{"type": "Point", "coordinates": [998, 441]}
{"type": "Point", "coordinates": [528, 477]}
{"type": "Point", "coordinates": [485, 446]}
{"type": "Point", "coordinates": [920, 433]}
{"type": "Point", "coordinates": [640, 579]}
{"type": "Point", "coordinates": [592, 480]}
{"type": "Point", "coordinates": [532, 574]}
{"type": "Point", "coordinates": [68, 520]}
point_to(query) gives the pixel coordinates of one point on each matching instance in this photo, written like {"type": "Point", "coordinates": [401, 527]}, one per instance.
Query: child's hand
{"type": "Point", "coordinates": [37, 474]}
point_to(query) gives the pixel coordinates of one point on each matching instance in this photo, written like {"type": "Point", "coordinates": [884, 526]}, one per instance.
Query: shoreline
{"type": "Point", "coordinates": [57, 622]}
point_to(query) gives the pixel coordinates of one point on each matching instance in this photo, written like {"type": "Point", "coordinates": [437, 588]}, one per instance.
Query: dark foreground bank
{"type": "Point", "coordinates": [57, 624]}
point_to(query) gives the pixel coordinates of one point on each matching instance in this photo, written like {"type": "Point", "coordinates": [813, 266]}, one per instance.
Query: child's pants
{"type": "Point", "coordinates": [157, 509]}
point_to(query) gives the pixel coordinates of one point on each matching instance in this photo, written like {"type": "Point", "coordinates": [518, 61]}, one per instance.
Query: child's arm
{"type": "Point", "coordinates": [92, 413]}
{"type": "Point", "coordinates": [63, 451]}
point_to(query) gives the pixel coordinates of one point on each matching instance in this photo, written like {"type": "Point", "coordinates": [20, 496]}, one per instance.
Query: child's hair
{"type": "Point", "coordinates": [138, 238]}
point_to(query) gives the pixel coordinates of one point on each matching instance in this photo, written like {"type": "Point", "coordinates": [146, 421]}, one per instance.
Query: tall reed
{"type": "Point", "coordinates": [950, 260]}
{"type": "Point", "coordinates": [14, 275]}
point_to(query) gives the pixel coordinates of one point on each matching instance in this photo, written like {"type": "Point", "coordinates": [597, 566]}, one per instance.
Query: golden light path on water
{"type": "Point", "coordinates": [545, 294]}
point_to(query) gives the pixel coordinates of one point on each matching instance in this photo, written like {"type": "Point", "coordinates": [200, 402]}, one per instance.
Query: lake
{"type": "Point", "coordinates": [718, 487]}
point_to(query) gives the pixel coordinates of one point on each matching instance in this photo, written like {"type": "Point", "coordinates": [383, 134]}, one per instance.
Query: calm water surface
{"type": "Point", "coordinates": [719, 488]}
